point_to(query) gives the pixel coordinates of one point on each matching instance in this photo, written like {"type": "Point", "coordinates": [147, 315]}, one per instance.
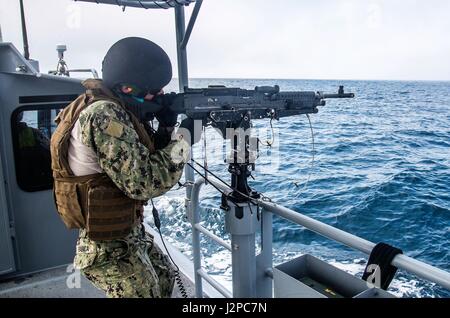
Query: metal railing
{"type": "Point", "coordinates": [420, 269]}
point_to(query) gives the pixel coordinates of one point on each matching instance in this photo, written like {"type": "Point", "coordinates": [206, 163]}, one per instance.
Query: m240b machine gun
{"type": "Point", "coordinates": [224, 107]}
{"type": "Point", "coordinates": [233, 108]}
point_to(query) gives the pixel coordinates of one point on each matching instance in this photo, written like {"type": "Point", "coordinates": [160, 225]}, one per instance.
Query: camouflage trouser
{"type": "Point", "coordinates": [129, 267]}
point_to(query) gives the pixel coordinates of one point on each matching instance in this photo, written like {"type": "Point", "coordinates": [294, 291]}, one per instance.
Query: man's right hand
{"type": "Point", "coordinates": [166, 117]}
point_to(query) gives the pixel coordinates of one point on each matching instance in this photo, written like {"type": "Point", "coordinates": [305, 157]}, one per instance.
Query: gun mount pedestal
{"type": "Point", "coordinates": [250, 271]}
{"type": "Point", "coordinates": [243, 220]}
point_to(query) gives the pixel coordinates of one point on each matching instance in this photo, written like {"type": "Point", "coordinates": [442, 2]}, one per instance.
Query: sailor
{"type": "Point", "coordinates": [107, 165]}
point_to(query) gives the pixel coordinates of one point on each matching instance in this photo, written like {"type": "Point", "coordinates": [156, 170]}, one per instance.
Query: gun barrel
{"type": "Point", "coordinates": [340, 94]}
{"type": "Point", "coordinates": [344, 95]}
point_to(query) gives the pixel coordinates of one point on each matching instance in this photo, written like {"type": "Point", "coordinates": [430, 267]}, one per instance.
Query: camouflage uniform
{"type": "Point", "coordinates": [132, 266]}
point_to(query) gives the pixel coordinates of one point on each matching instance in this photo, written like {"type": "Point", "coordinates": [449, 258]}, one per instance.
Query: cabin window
{"type": "Point", "coordinates": [32, 130]}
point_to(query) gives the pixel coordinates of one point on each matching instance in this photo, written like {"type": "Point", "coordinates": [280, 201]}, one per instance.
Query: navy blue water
{"type": "Point", "coordinates": [381, 171]}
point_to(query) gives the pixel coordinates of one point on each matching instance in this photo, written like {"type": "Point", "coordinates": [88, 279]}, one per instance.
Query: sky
{"type": "Point", "coordinates": [291, 39]}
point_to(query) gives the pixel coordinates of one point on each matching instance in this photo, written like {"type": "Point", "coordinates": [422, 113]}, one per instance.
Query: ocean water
{"type": "Point", "coordinates": [381, 171]}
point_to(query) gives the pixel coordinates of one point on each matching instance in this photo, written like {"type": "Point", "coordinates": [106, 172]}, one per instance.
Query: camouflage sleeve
{"type": "Point", "coordinates": [108, 130]}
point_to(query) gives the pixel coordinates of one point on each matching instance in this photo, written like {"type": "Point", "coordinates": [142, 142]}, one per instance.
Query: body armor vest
{"type": "Point", "coordinates": [92, 202]}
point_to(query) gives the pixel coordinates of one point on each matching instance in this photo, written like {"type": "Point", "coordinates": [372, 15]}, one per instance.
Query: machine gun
{"type": "Point", "coordinates": [233, 108]}
{"type": "Point", "coordinates": [223, 107]}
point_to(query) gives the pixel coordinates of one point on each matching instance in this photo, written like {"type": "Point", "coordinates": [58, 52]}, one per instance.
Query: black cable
{"type": "Point", "coordinates": [142, 5]}
{"type": "Point", "coordinates": [269, 143]}
{"type": "Point", "coordinates": [184, 185]}
{"type": "Point", "coordinates": [218, 178]}
{"type": "Point", "coordinates": [209, 171]}
{"type": "Point", "coordinates": [169, 3]}
{"type": "Point", "coordinates": [205, 157]}
{"type": "Point", "coordinates": [156, 3]}
{"type": "Point", "coordinates": [312, 161]}
{"type": "Point", "coordinates": [263, 197]}
{"type": "Point", "coordinates": [177, 275]}
{"type": "Point", "coordinates": [204, 177]}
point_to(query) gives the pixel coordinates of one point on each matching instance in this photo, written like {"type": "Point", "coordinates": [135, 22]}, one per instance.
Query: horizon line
{"type": "Point", "coordinates": [320, 79]}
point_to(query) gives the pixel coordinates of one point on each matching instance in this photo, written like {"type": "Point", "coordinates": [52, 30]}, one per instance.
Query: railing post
{"type": "Point", "coordinates": [242, 222]}
{"type": "Point", "coordinates": [183, 79]}
{"type": "Point", "coordinates": [264, 263]}
{"type": "Point", "coordinates": [194, 218]}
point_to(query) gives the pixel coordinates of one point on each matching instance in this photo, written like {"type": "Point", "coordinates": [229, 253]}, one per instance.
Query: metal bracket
{"type": "Point", "coordinates": [191, 24]}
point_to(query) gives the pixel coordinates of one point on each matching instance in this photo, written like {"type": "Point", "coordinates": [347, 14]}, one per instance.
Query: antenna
{"type": "Point", "coordinates": [26, 52]}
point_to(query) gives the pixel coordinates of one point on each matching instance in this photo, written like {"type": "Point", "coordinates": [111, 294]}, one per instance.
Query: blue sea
{"type": "Point", "coordinates": [381, 171]}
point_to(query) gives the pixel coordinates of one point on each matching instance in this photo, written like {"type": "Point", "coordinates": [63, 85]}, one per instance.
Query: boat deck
{"type": "Point", "coordinates": [54, 284]}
